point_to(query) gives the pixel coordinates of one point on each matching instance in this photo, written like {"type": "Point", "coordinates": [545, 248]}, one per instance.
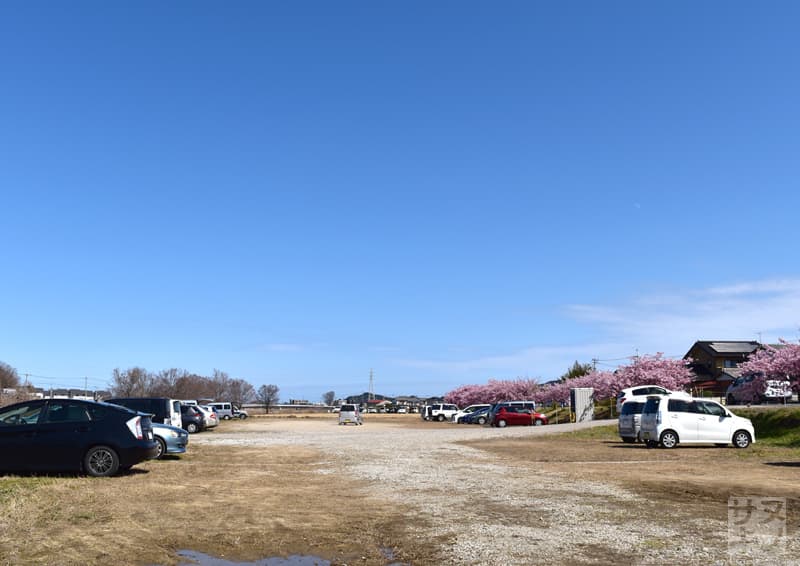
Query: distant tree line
{"type": "Point", "coordinates": [180, 384]}
{"type": "Point", "coordinates": [8, 377]}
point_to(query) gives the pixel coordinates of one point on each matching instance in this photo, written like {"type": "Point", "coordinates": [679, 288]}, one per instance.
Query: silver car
{"type": "Point", "coordinates": [630, 421]}
{"type": "Point", "coordinates": [171, 439]}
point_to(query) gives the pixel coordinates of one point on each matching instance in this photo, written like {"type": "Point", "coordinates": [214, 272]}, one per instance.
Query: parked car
{"type": "Point", "coordinates": [521, 405]}
{"type": "Point", "coordinates": [192, 419]}
{"type": "Point", "coordinates": [240, 413]}
{"type": "Point", "coordinates": [511, 415]}
{"type": "Point", "coordinates": [97, 439]}
{"type": "Point", "coordinates": [163, 409]}
{"type": "Point", "coordinates": [773, 391]}
{"type": "Point", "coordinates": [455, 418]}
{"type": "Point", "coordinates": [350, 414]}
{"type": "Point", "coordinates": [630, 420]}
{"type": "Point", "coordinates": [641, 392]}
{"type": "Point", "coordinates": [223, 410]}
{"type": "Point", "coordinates": [438, 412]}
{"type": "Point", "coordinates": [402, 411]}
{"type": "Point", "coordinates": [479, 416]}
{"type": "Point", "coordinates": [671, 420]}
{"type": "Point", "coordinates": [171, 439]}
{"type": "Point", "coordinates": [211, 417]}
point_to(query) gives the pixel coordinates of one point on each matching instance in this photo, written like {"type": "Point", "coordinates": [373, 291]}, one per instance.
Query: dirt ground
{"type": "Point", "coordinates": [269, 487]}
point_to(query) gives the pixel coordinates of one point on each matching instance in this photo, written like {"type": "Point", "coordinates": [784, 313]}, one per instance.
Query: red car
{"type": "Point", "coordinates": [508, 416]}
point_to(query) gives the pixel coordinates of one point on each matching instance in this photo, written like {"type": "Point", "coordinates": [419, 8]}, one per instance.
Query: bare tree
{"type": "Point", "coordinates": [165, 382]}
{"type": "Point", "coordinates": [268, 396]}
{"type": "Point", "coordinates": [219, 385]}
{"type": "Point", "coordinates": [8, 377]}
{"type": "Point", "coordinates": [328, 397]}
{"type": "Point", "coordinates": [240, 392]}
{"type": "Point", "coordinates": [133, 382]}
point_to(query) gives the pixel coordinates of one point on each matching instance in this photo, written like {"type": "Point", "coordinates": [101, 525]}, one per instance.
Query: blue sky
{"type": "Point", "coordinates": [444, 192]}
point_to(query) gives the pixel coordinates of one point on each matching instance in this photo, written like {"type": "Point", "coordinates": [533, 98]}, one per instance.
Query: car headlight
{"type": "Point", "coordinates": [174, 434]}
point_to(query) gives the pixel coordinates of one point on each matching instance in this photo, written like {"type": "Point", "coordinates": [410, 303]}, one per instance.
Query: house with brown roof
{"type": "Point", "coordinates": [716, 363]}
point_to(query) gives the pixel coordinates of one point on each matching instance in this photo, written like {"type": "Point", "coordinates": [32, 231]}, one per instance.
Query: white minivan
{"type": "Point", "coordinates": [673, 419]}
{"type": "Point", "coordinates": [350, 414]}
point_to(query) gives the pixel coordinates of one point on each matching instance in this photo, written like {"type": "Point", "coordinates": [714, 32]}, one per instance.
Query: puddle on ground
{"type": "Point", "coordinates": [200, 559]}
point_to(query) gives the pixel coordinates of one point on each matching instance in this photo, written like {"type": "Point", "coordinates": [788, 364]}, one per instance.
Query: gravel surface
{"type": "Point", "coordinates": [493, 512]}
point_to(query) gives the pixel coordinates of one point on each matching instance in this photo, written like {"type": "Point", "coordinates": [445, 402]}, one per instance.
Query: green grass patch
{"type": "Point", "coordinates": [775, 427]}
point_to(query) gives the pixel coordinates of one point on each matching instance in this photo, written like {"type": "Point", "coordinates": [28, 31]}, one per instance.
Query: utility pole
{"type": "Point", "coordinates": [371, 386]}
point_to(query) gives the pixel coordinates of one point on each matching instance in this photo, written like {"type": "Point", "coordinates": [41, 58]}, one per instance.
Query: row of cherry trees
{"type": "Point", "coordinates": [652, 370]}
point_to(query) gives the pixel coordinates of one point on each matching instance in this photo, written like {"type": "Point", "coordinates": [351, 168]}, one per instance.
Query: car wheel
{"type": "Point", "coordinates": [669, 439]}
{"type": "Point", "coordinates": [101, 461]}
{"type": "Point", "coordinates": [538, 422]}
{"type": "Point", "coordinates": [226, 418]}
{"type": "Point", "coordinates": [481, 420]}
{"type": "Point", "coordinates": [651, 444]}
{"type": "Point", "coordinates": [243, 417]}
{"type": "Point", "coordinates": [162, 448]}
{"type": "Point", "coordinates": [730, 400]}
{"type": "Point", "coordinates": [628, 439]}
{"type": "Point", "coordinates": [440, 418]}
{"type": "Point", "coordinates": [191, 428]}
{"type": "Point", "coordinates": [741, 439]}
{"type": "Point", "coordinates": [501, 423]}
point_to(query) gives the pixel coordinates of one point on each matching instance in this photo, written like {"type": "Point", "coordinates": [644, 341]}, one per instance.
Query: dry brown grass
{"type": "Point", "coordinates": [224, 501]}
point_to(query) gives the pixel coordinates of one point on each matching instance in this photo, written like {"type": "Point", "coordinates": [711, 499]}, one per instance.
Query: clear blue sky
{"type": "Point", "coordinates": [444, 192]}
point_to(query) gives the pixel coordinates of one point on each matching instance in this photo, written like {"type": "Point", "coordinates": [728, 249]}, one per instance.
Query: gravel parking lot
{"type": "Point", "coordinates": [477, 495]}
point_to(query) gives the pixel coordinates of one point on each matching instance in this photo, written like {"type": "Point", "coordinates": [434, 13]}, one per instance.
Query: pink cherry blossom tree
{"type": "Point", "coordinates": [650, 370]}
{"type": "Point", "coordinates": [780, 362]}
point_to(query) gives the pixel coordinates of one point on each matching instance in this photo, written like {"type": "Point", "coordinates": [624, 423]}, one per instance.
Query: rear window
{"type": "Point", "coordinates": [349, 408]}
{"type": "Point", "coordinates": [651, 406]}
{"type": "Point", "coordinates": [632, 408]}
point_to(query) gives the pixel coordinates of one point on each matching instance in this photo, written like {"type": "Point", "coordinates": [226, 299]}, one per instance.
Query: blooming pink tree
{"type": "Point", "coordinates": [650, 370]}
{"type": "Point", "coordinates": [770, 362]}
{"type": "Point", "coordinates": [493, 392]}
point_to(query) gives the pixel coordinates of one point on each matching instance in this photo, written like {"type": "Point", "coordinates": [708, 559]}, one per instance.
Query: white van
{"type": "Point", "coordinates": [673, 419]}
{"type": "Point", "coordinates": [350, 414]}
{"type": "Point", "coordinates": [223, 410]}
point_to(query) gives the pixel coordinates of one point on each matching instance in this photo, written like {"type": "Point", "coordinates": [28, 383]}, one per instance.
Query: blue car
{"type": "Point", "coordinates": [481, 416]}
{"type": "Point", "coordinates": [171, 439]}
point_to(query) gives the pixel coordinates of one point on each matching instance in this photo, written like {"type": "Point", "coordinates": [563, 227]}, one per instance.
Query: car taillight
{"type": "Point", "coordinates": [621, 401]}
{"type": "Point", "coordinates": [135, 426]}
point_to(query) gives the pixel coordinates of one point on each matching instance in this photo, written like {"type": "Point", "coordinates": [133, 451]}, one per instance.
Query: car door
{"type": "Point", "coordinates": [682, 418]}
{"type": "Point", "coordinates": [64, 434]}
{"type": "Point", "coordinates": [714, 425]}
{"type": "Point", "coordinates": [18, 427]}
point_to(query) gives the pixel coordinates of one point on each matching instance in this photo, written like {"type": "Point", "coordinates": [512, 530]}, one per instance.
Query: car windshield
{"type": "Point", "coordinates": [349, 408]}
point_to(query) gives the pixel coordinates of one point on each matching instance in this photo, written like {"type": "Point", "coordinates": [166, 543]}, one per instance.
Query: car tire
{"type": "Point", "coordinates": [192, 428]}
{"type": "Point", "coordinates": [651, 444]}
{"type": "Point", "coordinates": [481, 420]}
{"type": "Point", "coordinates": [101, 462]}
{"type": "Point", "coordinates": [501, 423]}
{"type": "Point", "coordinates": [628, 439]}
{"type": "Point", "coordinates": [242, 417]}
{"type": "Point", "coordinates": [440, 418]}
{"type": "Point", "coordinates": [741, 439]}
{"type": "Point", "coordinates": [538, 422]}
{"type": "Point", "coordinates": [226, 418]}
{"type": "Point", "coordinates": [669, 439]}
{"type": "Point", "coordinates": [162, 448]}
